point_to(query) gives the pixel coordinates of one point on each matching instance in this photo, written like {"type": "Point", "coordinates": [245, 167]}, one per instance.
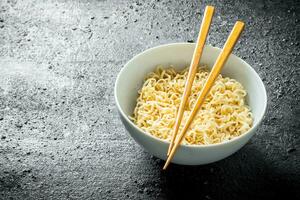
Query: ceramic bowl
{"type": "Point", "coordinates": [130, 80]}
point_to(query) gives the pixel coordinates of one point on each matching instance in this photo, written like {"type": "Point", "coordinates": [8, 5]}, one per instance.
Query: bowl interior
{"type": "Point", "coordinates": [179, 55]}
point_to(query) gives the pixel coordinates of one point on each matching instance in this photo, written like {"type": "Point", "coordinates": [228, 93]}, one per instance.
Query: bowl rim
{"type": "Point", "coordinates": [188, 145]}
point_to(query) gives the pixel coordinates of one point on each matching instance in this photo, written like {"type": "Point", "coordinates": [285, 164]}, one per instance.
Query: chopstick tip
{"type": "Point", "coordinates": [165, 166]}
{"type": "Point", "coordinates": [240, 23]}
{"type": "Point", "coordinates": [209, 7]}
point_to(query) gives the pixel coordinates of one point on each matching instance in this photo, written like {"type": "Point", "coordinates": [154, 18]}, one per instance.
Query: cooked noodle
{"type": "Point", "coordinates": [222, 117]}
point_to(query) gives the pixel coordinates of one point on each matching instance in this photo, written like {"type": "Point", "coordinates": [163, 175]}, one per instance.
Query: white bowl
{"type": "Point", "coordinates": [130, 80]}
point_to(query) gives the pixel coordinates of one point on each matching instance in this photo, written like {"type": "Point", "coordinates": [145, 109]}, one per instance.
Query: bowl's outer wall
{"type": "Point", "coordinates": [130, 81]}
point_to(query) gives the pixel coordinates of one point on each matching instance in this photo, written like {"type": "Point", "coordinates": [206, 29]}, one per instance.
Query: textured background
{"type": "Point", "coordinates": [60, 136]}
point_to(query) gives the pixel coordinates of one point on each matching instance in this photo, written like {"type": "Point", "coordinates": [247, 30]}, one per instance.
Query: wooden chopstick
{"type": "Point", "coordinates": [205, 25]}
{"type": "Point", "coordinates": [222, 58]}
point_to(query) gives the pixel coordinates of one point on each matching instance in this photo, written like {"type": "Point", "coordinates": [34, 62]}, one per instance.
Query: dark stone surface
{"type": "Point", "coordinates": [60, 136]}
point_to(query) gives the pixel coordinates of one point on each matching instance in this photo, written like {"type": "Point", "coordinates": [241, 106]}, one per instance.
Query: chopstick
{"type": "Point", "coordinates": [221, 60]}
{"type": "Point", "coordinates": [205, 25]}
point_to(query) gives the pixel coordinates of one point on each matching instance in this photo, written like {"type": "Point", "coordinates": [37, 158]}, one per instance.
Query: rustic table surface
{"type": "Point", "coordinates": [60, 135]}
